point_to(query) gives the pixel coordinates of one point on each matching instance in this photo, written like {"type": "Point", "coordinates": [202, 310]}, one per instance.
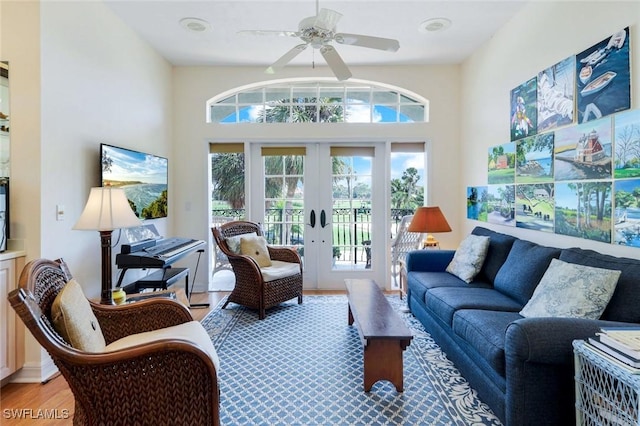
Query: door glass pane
{"type": "Point", "coordinates": [227, 182]}
{"type": "Point", "coordinates": [284, 190]}
{"type": "Point", "coordinates": [351, 216]}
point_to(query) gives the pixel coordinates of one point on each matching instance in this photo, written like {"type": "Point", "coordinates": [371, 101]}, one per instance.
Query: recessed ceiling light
{"type": "Point", "coordinates": [196, 25]}
{"type": "Point", "coordinates": [434, 25]}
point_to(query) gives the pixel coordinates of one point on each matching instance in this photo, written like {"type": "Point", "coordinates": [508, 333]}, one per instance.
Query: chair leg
{"type": "Point", "coordinates": [299, 299]}
{"type": "Point", "coordinates": [225, 304]}
{"type": "Point", "coordinates": [261, 314]}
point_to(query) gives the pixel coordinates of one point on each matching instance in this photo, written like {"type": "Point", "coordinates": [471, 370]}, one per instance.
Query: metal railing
{"type": "Point", "coordinates": [351, 228]}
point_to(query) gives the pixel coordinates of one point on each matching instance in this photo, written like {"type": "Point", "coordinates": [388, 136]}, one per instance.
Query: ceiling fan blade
{"type": "Point", "coordinates": [335, 62]}
{"type": "Point", "coordinates": [285, 59]}
{"type": "Point", "coordinates": [270, 33]}
{"type": "Point", "coordinates": [327, 19]}
{"type": "Point", "coordinates": [380, 43]}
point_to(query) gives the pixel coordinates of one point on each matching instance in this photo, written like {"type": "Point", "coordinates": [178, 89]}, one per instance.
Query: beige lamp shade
{"type": "Point", "coordinates": [427, 220]}
{"type": "Point", "coordinates": [107, 209]}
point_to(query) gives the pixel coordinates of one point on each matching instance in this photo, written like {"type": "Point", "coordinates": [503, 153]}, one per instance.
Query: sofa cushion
{"type": "Point", "coordinates": [624, 303]}
{"type": "Point", "coordinates": [485, 332]}
{"type": "Point", "coordinates": [74, 319]}
{"type": "Point", "coordinates": [256, 248]}
{"type": "Point", "coordinates": [445, 301]}
{"type": "Point", "coordinates": [523, 269]}
{"type": "Point", "coordinates": [499, 248]}
{"type": "Point", "coordinates": [469, 257]}
{"type": "Point", "coordinates": [568, 290]}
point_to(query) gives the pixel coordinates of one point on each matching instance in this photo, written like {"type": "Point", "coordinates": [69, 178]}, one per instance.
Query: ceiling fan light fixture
{"type": "Point", "coordinates": [195, 25]}
{"type": "Point", "coordinates": [434, 25]}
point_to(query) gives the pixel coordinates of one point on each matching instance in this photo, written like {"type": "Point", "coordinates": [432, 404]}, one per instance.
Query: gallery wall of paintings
{"type": "Point", "coordinates": [572, 166]}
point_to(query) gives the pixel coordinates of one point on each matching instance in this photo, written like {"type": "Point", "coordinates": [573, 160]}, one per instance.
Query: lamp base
{"type": "Point", "coordinates": [430, 242]}
{"type": "Point", "coordinates": [106, 297]}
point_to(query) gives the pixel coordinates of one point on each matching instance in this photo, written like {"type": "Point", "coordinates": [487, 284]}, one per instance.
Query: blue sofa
{"type": "Point", "coordinates": [521, 367]}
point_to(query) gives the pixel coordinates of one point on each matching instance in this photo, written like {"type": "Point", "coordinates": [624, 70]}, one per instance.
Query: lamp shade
{"type": "Point", "coordinates": [428, 219]}
{"type": "Point", "coordinates": [107, 209]}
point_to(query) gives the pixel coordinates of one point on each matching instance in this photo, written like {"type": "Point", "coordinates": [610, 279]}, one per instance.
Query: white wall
{"type": "Point", "coordinates": [542, 34]}
{"type": "Point", "coordinates": [193, 86]}
{"type": "Point", "coordinates": [79, 77]}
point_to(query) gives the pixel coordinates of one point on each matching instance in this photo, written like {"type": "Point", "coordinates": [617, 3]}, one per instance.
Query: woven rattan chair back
{"type": "Point", "coordinates": [168, 382]}
{"type": "Point", "coordinates": [403, 243]}
{"type": "Point", "coordinates": [251, 290]}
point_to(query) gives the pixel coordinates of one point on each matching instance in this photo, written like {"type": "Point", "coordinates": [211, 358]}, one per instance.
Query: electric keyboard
{"type": "Point", "coordinates": [161, 255]}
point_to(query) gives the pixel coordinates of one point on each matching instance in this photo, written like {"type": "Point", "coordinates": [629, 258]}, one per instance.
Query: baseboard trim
{"type": "Point", "coordinates": [35, 372]}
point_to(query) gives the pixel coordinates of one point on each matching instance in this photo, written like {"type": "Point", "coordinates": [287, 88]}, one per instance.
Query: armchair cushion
{"type": "Point", "coordinates": [278, 270]}
{"type": "Point", "coordinates": [256, 248]}
{"type": "Point", "coordinates": [191, 331]}
{"type": "Point", "coordinates": [74, 319]}
{"type": "Point", "coordinates": [234, 242]}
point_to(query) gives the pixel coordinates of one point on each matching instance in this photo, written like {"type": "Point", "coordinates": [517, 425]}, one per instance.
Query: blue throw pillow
{"type": "Point", "coordinates": [626, 299]}
{"type": "Point", "coordinates": [523, 269]}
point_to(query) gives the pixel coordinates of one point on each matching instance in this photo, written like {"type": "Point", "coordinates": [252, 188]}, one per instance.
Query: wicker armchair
{"type": "Point", "coordinates": [251, 289]}
{"type": "Point", "coordinates": [171, 380]}
{"type": "Point", "coordinates": [403, 243]}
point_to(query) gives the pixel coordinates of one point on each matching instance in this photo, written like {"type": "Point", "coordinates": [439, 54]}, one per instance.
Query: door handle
{"type": "Point", "coordinates": [312, 219]}
{"type": "Point", "coordinates": [323, 219]}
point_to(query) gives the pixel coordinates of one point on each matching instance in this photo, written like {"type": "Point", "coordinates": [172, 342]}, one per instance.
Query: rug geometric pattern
{"type": "Point", "coordinates": [302, 365]}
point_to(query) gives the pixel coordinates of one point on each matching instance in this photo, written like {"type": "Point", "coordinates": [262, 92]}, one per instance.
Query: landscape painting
{"type": "Point", "coordinates": [556, 86]}
{"type": "Point", "coordinates": [583, 210]}
{"type": "Point", "coordinates": [534, 158]}
{"type": "Point", "coordinates": [603, 83]}
{"type": "Point", "coordinates": [535, 206]}
{"type": "Point", "coordinates": [583, 151]}
{"type": "Point", "coordinates": [627, 213]}
{"type": "Point", "coordinates": [501, 163]}
{"type": "Point", "coordinates": [477, 203]}
{"type": "Point", "coordinates": [627, 144]}
{"type": "Point", "coordinates": [524, 110]}
{"type": "Point", "coordinates": [501, 207]}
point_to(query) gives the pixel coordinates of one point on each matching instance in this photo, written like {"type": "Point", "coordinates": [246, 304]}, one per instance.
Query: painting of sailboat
{"type": "Point", "coordinates": [556, 86]}
{"type": "Point", "coordinates": [524, 110]}
{"type": "Point", "coordinates": [627, 212]}
{"type": "Point", "coordinates": [604, 78]}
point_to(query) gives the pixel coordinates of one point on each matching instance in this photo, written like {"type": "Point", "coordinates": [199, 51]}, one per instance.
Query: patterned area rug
{"type": "Point", "coordinates": [302, 365]}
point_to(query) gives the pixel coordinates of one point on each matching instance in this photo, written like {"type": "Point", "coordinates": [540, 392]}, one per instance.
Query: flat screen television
{"type": "Point", "coordinates": [144, 178]}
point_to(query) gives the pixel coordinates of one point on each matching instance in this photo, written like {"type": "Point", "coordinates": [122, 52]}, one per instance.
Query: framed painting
{"type": "Point", "coordinates": [534, 158]}
{"type": "Point", "coordinates": [524, 110]}
{"type": "Point", "coordinates": [556, 86]}
{"type": "Point", "coordinates": [501, 207]}
{"type": "Point", "coordinates": [627, 212]}
{"type": "Point", "coordinates": [583, 151]}
{"type": "Point", "coordinates": [603, 78]}
{"type": "Point", "coordinates": [583, 210]}
{"type": "Point", "coordinates": [501, 163]}
{"type": "Point", "coordinates": [626, 144]}
{"type": "Point", "coordinates": [535, 206]}
{"type": "Point", "coordinates": [477, 203]}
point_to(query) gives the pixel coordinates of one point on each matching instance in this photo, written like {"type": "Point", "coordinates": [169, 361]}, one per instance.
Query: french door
{"type": "Point", "coordinates": [327, 200]}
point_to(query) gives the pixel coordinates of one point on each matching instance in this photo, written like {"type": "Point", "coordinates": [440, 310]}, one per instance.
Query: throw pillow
{"type": "Point", "coordinates": [256, 248]}
{"type": "Point", "coordinates": [234, 242]}
{"type": "Point", "coordinates": [569, 290]}
{"type": "Point", "coordinates": [74, 320]}
{"type": "Point", "coordinates": [469, 257]}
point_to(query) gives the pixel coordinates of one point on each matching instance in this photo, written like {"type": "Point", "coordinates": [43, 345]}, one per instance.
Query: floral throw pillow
{"type": "Point", "coordinates": [469, 257]}
{"type": "Point", "coordinates": [569, 290]}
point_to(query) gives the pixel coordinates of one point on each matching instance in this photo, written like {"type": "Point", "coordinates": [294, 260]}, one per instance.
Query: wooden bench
{"type": "Point", "coordinates": [383, 333]}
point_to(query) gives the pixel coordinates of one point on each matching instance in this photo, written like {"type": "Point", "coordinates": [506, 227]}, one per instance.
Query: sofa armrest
{"type": "Point", "coordinates": [429, 260]}
{"type": "Point", "coordinates": [548, 340]}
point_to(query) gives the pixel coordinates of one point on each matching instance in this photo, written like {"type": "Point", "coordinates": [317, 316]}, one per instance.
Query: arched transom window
{"type": "Point", "coordinates": [320, 101]}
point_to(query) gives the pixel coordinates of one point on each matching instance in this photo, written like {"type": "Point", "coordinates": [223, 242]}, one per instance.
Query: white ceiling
{"type": "Point", "coordinates": [473, 23]}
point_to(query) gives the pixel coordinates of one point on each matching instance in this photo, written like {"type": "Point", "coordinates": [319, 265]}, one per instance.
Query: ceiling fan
{"type": "Point", "coordinates": [318, 32]}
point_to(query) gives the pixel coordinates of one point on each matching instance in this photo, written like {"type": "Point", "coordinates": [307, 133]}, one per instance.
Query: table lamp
{"type": "Point", "coordinates": [427, 220]}
{"type": "Point", "coordinates": [107, 209]}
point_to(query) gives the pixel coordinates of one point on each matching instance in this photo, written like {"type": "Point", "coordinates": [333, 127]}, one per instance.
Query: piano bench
{"type": "Point", "coordinates": [164, 278]}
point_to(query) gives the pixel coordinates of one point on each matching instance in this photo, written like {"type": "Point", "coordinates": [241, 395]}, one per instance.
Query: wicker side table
{"type": "Point", "coordinates": [607, 393]}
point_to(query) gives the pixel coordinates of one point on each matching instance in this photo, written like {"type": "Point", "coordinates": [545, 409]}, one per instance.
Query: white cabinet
{"type": "Point", "coordinates": [11, 328]}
